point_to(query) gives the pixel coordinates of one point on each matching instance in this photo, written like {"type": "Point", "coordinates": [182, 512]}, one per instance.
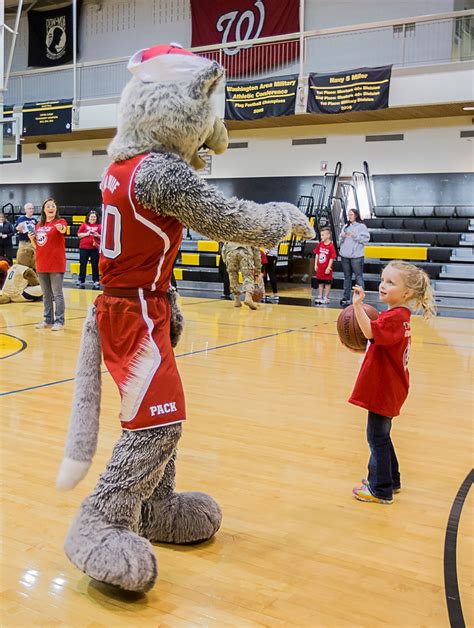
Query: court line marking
{"type": "Point", "coordinates": [23, 346]}
{"type": "Point", "coordinates": [181, 355]}
{"type": "Point", "coordinates": [451, 587]}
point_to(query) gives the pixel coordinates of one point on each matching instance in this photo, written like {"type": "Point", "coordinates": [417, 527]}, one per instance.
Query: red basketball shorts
{"type": "Point", "coordinates": [135, 338]}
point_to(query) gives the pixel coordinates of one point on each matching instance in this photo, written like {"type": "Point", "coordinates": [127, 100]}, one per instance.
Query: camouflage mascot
{"type": "Point", "coordinates": [166, 114]}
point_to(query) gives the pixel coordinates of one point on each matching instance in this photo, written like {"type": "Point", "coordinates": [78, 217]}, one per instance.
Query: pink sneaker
{"type": "Point", "coordinates": [364, 495]}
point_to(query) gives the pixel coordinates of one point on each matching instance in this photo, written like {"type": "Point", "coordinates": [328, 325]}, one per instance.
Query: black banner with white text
{"type": "Point", "coordinates": [51, 37]}
{"type": "Point", "coordinates": [47, 118]}
{"type": "Point", "coordinates": [270, 97]}
{"type": "Point", "coordinates": [356, 90]}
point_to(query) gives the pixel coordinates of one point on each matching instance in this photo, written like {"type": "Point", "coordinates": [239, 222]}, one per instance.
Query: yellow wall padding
{"type": "Point", "coordinates": [218, 259]}
{"type": "Point", "coordinates": [75, 268]}
{"type": "Point", "coordinates": [396, 252]}
{"type": "Point", "coordinates": [208, 246]}
{"type": "Point", "coordinates": [190, 259]}
{"type": "Point", "coordinates": [178, 274]}
{"type": "Point", "coordinates": [76, 220]}
{"type": "Point", "coordinates": [282, 248]}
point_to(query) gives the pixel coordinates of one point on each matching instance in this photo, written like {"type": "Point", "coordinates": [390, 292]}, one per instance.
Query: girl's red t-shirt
{"type": "Point", "coordinates": [383, 380]}
{"type": "Point", "coordinates": [50, 247]}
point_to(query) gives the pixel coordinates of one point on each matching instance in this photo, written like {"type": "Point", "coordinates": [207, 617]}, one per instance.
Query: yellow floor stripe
{"type": "Point", "coordinates": [396, 252]}
{"type": "Point", "coordinates": [190, 259]}
{"type": "Point", "coordinates": [208, 246]}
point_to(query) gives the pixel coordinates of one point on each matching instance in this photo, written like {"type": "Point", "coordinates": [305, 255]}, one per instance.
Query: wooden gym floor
{"type": "Point", "coordinates": [271, 436]}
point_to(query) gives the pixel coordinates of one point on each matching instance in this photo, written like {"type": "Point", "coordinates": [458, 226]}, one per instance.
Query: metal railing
{"type": "Point", "coordinates": [442, 38]}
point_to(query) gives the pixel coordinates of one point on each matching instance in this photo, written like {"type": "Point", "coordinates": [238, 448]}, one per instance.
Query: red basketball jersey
{"type": "Point", "coordinates": [138, 246]}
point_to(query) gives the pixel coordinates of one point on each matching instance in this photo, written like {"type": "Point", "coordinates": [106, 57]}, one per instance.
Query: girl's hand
{"type": "Point", "coordinates": [61, 228]}
{"type": "Point", "coordinates": [31, 236]}
{"type": "Point", "coordinates": [359, 295]}
{"type": "Point", "coordinates": [327, 271]}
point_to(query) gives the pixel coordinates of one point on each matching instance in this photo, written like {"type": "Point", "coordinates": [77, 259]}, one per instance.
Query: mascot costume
{"type": "Point", "coordinates": [21, 283]}
{"type": "Point", "coordinates": [166, 114]}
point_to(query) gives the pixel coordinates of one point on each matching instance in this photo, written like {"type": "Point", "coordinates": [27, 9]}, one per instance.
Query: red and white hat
{"type": "Point", "coordinates": [166, 64]}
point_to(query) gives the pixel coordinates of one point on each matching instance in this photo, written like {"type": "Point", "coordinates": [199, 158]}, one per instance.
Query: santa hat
{"type": "Point", "coordinates": [166, 64]}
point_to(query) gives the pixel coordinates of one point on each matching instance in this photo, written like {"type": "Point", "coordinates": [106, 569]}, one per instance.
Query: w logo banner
{"type": "Point", "coordinates": [50, 37]}
{"type": "Point", "coordinates": [241, 20]}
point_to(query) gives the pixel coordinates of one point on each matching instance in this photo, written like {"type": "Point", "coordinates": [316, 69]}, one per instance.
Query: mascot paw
{"type": "Point", "coordinates": [110, 553]}
{"type": "Point", "coordinates": [181, 518]}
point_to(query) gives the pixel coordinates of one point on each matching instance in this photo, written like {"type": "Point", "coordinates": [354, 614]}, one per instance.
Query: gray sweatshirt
{"type": "Point", "coordinates": [354, 246]}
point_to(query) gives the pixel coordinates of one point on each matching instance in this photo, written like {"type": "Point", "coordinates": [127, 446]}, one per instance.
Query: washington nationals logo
{"type": "Point", "coordinates": [241, 26]}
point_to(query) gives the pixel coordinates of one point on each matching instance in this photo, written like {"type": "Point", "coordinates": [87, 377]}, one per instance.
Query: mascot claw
{"type": "Point", "coordinates": [71, 473]}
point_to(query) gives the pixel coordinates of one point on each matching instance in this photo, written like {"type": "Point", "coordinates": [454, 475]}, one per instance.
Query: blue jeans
{"type": "Point", "coordinates": [384, 474]}
{"type": "Point", "coordinates": [52, 286]}
{"type": "Point", "coordinates": [352, 265]}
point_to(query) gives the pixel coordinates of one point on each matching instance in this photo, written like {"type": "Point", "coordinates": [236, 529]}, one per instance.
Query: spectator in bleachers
{"type": "Point", "coordinates": [25, 223]}
{"type": "Point", "coordinates": [6, 233]}
{"type": "Point", "coordinates": [354, 237]}
{"type": "Point", "coordinates": [50, 243]}
{"type": "Point", "coordinates": [89, 234]}
{"type": "Point", "coordinates": [270, 271]}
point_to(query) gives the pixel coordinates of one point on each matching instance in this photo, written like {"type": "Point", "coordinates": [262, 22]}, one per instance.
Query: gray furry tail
{"type": "Point", "coordinates": [176, 317]}
{"type": "Point", "coordinates": [84, 424]}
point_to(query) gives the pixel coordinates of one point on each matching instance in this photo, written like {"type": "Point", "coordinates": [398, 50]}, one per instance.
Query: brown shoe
{"type": "Point", "coordinates": [237, 302]}
{"type": "Point", "coordinates": [249, 302]}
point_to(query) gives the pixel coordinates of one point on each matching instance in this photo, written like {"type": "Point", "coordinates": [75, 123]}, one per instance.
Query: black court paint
{"type": "Point", "coordinates": [453, 600]}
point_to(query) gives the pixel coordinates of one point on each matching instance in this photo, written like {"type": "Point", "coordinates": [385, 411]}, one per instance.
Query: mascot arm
{"type": "Point", "coordinates": [166, 185]}
{"type": "Point", "coordinates": [176, 318]}
{"type": "Point", "coordinates": [31, 277]}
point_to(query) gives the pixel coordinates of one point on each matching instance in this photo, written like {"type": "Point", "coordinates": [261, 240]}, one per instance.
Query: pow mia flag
{"type": "Point", "coordinates": [50, 37]}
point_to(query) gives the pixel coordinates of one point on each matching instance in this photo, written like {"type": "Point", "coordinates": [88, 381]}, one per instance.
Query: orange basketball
{"type": "Point", "coordinates": [257, 294]}
{"type": "Point", "coordinates": [348, 328]}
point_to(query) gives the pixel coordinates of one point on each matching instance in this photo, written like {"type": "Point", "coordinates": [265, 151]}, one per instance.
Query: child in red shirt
{"type": "Point", "coordinates": [383, 381]}
{"type": "Point", "coordinates": [49, 241]}
{"type": "Point", "coordinates": [325, 256]}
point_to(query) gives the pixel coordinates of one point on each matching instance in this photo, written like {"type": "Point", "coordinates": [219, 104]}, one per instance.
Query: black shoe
{"type": "Point", "coordinates": [227, 297]}
{"type": "Point", "coordinates": [82, 286]}
{"type": "Point", "coordinates": [344, 303]}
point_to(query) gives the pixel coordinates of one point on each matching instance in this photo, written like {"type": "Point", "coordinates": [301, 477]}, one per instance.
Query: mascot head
{"type": "Point", "coordinates": [26, 256]}
{"type": "Point", "coordinates": [170, 104]}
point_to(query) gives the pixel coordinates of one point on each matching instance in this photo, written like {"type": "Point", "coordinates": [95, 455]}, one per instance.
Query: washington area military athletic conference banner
{"type": "Point", "coordinates": [51, 37]}
{"type": "Point", "coordinates": [354, 90]}
{"type": "Point", "coordinates": [267, 98]}
{"type": "Point", "coordinates": [223, 21]}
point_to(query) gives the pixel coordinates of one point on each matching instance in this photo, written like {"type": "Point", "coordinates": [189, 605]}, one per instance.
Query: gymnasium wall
{"type": "Point", "coordinates": [432, 162]}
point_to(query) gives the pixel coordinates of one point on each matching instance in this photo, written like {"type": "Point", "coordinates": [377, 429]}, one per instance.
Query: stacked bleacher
{"type": "Point", "coordinates": [439, 239]}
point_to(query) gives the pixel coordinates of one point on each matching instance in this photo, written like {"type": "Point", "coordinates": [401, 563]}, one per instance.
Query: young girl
{"type": "Point", "coordinates": [49, 242]}
{"type": "Point", "coordinates": [382, 384]}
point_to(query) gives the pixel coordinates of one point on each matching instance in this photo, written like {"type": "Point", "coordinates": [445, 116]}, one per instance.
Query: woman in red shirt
{"type": "Point", "coordinates": [383, 380]}
{"type": "Point", "coordinates": [89, 245]}
{"type": "Point", "coordinates": [50, 244]}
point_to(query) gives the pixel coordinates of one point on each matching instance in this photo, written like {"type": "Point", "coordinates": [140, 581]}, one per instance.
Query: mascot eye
{"type": "Point", "coordinates": [204, 146]}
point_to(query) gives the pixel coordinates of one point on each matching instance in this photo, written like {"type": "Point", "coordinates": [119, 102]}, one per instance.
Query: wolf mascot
{"type": "Point", "coordinates": [150, 191]}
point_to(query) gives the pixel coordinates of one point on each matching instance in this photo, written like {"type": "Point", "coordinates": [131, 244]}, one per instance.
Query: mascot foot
{"type": "Point", "coordinates": [110, 553]}
{"type": "Point", "coordinates": [180, 518]}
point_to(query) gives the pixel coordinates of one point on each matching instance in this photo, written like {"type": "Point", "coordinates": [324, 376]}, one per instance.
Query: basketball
{"type": "Point", "coordinates": [257, 294]}
{"type": "Point", "coordinates": [348, 328]}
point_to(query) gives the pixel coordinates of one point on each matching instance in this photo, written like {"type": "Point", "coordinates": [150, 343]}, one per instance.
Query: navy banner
{"type": "Point", "coordinates": [356, 90]}
{"type": "Point", "coordinates": [270, 97]}
{"type": "Point", "coordinates": [47, 118]}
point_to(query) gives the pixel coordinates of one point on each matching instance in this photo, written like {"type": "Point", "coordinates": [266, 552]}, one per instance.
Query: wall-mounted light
{"type": "Point", "coordinates": [468, 108]}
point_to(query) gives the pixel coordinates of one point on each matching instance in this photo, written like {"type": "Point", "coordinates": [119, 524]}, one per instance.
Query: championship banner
{"type": "Point", "coordinates": [227, 21]}
{"type": "Point", "coordinates": [47, 118]}
{"type": "Point", "coordinates": [268, 98]}
{"type": "Point", "coordinates": [50, 41]}
{"type": "Point", "coordinates": [356, 90]}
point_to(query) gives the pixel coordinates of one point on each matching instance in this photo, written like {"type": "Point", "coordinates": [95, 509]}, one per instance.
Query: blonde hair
{"type": "Point", "coordinates": [418, 282]}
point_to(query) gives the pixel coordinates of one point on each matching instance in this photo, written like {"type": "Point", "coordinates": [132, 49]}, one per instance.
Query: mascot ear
{"type": "Point", "coordinates": [207, 82]}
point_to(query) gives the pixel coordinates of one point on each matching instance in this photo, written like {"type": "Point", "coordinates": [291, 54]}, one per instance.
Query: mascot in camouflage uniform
{"type": "Point", "coordinates": [166, 114]}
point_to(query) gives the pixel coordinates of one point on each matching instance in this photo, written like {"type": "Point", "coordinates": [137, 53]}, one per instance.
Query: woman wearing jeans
{"type": "Point", "coordinates": [50, 245]}
{"type": "Point", "coordinates": [353, 238]}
